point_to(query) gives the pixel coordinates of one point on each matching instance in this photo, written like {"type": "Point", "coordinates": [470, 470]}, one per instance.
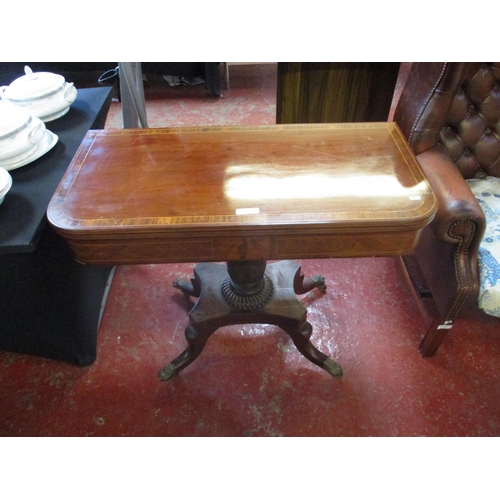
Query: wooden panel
{"type": "Point", "coordinates": [242, 193]}
{"type": "Point", "coordinates": [329, 92]}
{"type": "Point", "coordinates": [315, 246]}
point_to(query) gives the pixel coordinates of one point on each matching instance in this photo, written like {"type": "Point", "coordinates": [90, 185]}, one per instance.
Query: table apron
{"type": "Point", "coordinates": [168, 249]}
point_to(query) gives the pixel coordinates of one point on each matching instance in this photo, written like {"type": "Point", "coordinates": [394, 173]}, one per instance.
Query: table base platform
{"type": "Point", "coordinates": [248, 292]}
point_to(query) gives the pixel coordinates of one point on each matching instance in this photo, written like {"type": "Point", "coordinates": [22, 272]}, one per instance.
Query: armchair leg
{"type": "Point", "coordinates": [434, 336]}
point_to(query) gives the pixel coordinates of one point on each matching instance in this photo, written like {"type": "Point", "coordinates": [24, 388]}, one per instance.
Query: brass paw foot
{"type": "Point", "coordinates": [303, 285]}
{"type": "Point", "coordinates": [167, 373]}
{"type": "Point", "coordinates": [333, 368]}
{"type": "Point", "coordinates": [188, 289]}
{"type": "Point", "coordinates": [319, 283]}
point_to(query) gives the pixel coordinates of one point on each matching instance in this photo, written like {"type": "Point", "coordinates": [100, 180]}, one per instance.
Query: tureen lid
{"type": "Point", "coordinates": [12, 119]}
{"type": "Point", "coordinates": [34, 85]}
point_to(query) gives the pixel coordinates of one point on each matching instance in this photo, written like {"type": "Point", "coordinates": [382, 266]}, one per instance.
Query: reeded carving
{"type": "Point", "coordinates": [246, 301]}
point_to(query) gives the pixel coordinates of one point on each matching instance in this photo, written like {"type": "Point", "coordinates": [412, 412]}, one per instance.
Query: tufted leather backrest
{"type": "Point", "coordinates": [454, 107]}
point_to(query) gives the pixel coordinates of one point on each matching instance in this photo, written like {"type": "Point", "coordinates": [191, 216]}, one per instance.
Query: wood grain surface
{"type": "Point", "coordinates": [242, 193]}
{"type": "Point", "coordinates": [335, 92]}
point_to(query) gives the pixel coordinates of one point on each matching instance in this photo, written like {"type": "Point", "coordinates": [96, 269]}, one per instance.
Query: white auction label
{"type": "Point", "coordinates": [247, 211]}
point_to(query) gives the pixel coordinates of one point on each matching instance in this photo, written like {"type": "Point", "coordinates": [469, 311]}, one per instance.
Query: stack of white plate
{"type": "Point", "coordinates": [23, 137]}
{"type": "Point", "coordinates": [5, 183]}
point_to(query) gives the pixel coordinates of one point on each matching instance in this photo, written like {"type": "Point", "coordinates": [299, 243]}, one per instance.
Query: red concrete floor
{"type": "Point", "coordinates": [250, 380]}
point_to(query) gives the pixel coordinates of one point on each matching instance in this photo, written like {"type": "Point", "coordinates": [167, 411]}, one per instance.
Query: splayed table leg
{"type": "Point", "coordinates": [248, 292]}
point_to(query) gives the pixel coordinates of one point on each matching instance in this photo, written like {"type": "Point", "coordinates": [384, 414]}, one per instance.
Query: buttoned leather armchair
{"type": "Point", "coordinates": [450, 114]}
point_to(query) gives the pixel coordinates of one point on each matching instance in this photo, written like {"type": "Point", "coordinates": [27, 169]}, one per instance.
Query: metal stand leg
{"type": "Point", "coordinates": [132, 95]}
{"type": "Point", "coordinates": [226, 74]}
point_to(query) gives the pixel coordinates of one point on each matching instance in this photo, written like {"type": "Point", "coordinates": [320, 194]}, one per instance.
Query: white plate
{"type": "Point", "coordinates": [44, 146]}
{"type": "Point", "coordinates": [55, 115]}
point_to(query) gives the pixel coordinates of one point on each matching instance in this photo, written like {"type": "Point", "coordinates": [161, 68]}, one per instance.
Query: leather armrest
{"type": "Point", "coordinates": [449, 259]}
{"type": "Point", "coordinates": [458, 209]}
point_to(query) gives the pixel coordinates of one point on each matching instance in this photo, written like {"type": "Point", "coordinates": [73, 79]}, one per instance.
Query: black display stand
{"type": "Point", "coordinates": [50, 304]}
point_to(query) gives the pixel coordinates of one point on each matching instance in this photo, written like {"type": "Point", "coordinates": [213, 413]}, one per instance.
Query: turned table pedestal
{"type": "Point", "coordinates": [249, 292]}
{"type": "Point", "coordinates": [244, 196]}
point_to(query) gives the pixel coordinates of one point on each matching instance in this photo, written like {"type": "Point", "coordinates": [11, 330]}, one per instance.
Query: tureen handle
{"type": "Point", "coordinates": [37, 134]}
{"type": "Point", "coordinates": [28, 71]}
{"type": "Point", "coordinates": [70, 92]}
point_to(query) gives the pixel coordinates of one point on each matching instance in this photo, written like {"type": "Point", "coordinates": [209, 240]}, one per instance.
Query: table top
{"type": "Point", "coordinates": [130, 193]}
{"type": "Point", "coordinates": [23, 212]}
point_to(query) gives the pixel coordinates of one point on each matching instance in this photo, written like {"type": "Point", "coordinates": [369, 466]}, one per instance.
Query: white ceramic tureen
{"type": "Point", "coordinates": [20, 133]}
{"type": "Point", "coordinates": [45, 95]}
